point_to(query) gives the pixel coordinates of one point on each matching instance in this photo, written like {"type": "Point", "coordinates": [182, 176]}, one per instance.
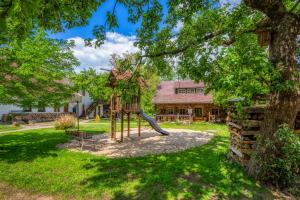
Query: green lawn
{"type": "Point", "coordinates": [30, 161]}
{"type": "Point", "coordinates": [8, 127]}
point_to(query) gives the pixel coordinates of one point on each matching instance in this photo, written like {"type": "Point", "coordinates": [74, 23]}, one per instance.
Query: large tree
{"type": "Point", "coordinates": [216, 44]}
{"type": "Point", "coordinates": [35, 71]}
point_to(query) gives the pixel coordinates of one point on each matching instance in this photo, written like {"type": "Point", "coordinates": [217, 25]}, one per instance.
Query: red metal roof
{"type": "Point", "coordinates": [165, 93]}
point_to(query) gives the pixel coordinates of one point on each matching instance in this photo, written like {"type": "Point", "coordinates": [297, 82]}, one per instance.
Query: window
{"type": "Point", "coordinates": [27, 109]}
{"type": "Point", "coordinates": [170, 111]}
{"type": "Point", "coordinates": [215, 111]}
{"type": "Point", "coordinates": [56, 109]}
{"type": "Point", "coordinates": [42, 109]}
{"type": "Point", "coordinates": [199, 90]}
{"type": "Point", "coordinates": [198, 112]}
{"type": "Point", "coordinates": [183, 111]}
{"type": "Point", "coordinates": [181, 91]}
{"type": "Point", "coordinates": [190, 90]}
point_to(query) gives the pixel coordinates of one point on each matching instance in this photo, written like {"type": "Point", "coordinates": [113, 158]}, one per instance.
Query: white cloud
{"type": "Point", "coordinates": [97, 58]}
{"type": "Point", "coordinates": [178, 27]}
{"type": "Point", "coordinates": [231, 3]}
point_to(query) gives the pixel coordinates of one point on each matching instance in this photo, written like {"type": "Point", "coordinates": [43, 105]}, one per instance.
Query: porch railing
{"type": "Point", "coordinates": [162, 118]}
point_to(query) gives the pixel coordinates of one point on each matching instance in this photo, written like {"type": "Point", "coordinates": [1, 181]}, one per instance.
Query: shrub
{"type": "Point", "coordinates": [65, 122]}
{"type": "Point", "coordinates": [16, 124]}
{"type": "Point", "coordinates": [279, 158]}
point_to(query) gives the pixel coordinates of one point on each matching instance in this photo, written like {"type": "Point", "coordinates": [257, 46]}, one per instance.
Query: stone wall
{"type": "Point", "coordinates": [32, 117]}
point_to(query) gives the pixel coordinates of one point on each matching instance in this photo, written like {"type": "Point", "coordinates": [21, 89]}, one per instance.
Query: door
{"type": "Point", "coordinates": [83, 110]}
{"type": "Point", "coordinates": [66, 108]}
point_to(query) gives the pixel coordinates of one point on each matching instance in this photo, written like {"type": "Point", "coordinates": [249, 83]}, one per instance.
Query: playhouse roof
{"type": "Point", "coordinates": [116, 76]}
{"type": "Point", "coordinates": [166, 93]}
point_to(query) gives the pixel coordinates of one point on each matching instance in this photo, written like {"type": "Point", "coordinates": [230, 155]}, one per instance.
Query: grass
{"type": "Point", "coordinates": [30, 161]}
{"type": "Point", "coordinates": [8, 128]}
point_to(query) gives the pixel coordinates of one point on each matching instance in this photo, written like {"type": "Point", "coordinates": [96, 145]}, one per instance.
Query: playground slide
{"type": "Point", "coordinates": [153, 124]}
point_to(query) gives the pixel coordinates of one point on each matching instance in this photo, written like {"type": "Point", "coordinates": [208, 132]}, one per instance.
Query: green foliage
{"type": "Point", "coordinates": [279, 158]}
{"type": "Point", "coordinates": [34, 72]}
{"type": "Point", "coordinates": [148, 93]}
{"type": "Point", "coordinates": [143, 80]}
{"type": "Point", "coordinates": [18, 18]}
{"type": "Point", "coordinates": [129, 87]}
{"type": "Point", "coordinates": [94, 83]}
{"type": "Point", "coordinates": [239, 71]}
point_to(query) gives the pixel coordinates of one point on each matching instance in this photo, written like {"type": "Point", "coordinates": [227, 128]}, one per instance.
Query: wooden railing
{"type": "Point", "coordinates": [131, 107]}
{"type": "Point", "coordinates": [162, 118]}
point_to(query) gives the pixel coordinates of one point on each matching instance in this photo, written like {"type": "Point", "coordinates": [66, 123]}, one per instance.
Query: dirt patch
{"type": "Point", "coordinates": [8, 192]}
{"type": "Point", "coordinates": [150, 142]}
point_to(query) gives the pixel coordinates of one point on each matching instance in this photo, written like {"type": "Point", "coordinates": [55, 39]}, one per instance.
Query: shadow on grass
{"type": "Point", "coordinates": [196, 173]}
{"type": "Point", "coordinates": [28, 145]}
{"type": "Point", "coordinates": [192, 174]}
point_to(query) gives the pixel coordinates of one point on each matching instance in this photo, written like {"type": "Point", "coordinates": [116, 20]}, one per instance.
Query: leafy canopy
{"type": "Point", "coordinates": [205, 40]}
{"type": "Point", "coordinates": [34, 72]}
{"type": "Point", "coordinates": [142, 82]}
{"type": "Point", "coordinates": [94, 83]}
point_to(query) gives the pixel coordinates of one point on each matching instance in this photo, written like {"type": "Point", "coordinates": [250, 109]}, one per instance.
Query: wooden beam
{"type": "Point", "coordinates": [128, 124]}
{"type": "Point", "coordinates": [111, 125]}
{"type": "Point", "coordinates": [122, 126]}
{"type": "Point", "coordinates": [139, 124]}
{"type": "Point", "coordinates": [115, 126]}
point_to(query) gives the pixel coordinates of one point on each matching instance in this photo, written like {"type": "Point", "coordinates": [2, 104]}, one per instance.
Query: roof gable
{"type": "Point", "coordinates": [165, 93]}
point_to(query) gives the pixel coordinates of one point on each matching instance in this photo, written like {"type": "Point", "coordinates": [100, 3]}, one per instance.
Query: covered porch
{"type": "Point", "coordinates": [192, 112]}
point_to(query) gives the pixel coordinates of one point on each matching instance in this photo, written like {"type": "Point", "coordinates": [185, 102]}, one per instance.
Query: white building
{"type": "Point", "coordinates": [87, 107]}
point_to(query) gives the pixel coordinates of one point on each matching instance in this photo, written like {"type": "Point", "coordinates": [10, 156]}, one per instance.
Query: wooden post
{"type": "Point", "coordinates": [112, 125]}
{"type": "Point", "coordinates": [128, 124]}
{"type": "Point", "coordinates": [139, 124]}
{"type": "Point", "coordinates": [122, 126]}
{"type": "Point", "coordinates": [112, 118]}
{"type": "Point", "coordinates": [115, 126]}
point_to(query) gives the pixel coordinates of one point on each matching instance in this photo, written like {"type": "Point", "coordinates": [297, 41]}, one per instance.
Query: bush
{"type": "Point", "coordinates": [65, 122]}
{"type": "Point", "coordinates": [16, 124]}
{"type": "Point", "coordinates": [278, 158]}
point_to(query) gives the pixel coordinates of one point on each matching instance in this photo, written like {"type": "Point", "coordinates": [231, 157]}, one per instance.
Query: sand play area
{"type": "Point", "coordinates": [150, 142]}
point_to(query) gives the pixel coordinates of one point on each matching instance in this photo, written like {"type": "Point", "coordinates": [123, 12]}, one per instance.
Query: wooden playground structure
{"type": "Point", "coordinates": [120, 109]}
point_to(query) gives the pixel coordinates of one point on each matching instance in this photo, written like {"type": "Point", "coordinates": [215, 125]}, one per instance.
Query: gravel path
{"type": "Point", "coordinates": [150, 142]}
{"type": "Point", "coordinates": [39, 125]}
{"type": "Point", "coordinates": [25, 129]}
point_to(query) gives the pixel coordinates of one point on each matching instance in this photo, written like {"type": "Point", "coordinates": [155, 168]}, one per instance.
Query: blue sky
{"type": "Point", "coordinates": [118, 42]}
{"type": "Point", "coordinates": [125, 28]}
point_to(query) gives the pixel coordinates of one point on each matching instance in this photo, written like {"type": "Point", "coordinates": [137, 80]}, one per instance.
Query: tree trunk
{"type": "Point", "coordinates": [284, 103]}
{"type": "Point", "coordinates": [284, 97]}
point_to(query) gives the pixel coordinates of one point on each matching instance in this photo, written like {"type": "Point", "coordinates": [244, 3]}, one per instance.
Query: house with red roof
{"type": "Point", "coordinates": [185, 100]}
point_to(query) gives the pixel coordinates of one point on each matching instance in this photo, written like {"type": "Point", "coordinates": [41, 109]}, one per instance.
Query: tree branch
{"type": "Point", "coordinates": [228, 42]}
{"type": "Point", "coordinates": [182, 49]}
{"type": "Point", "coordinates": [274, 9]}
